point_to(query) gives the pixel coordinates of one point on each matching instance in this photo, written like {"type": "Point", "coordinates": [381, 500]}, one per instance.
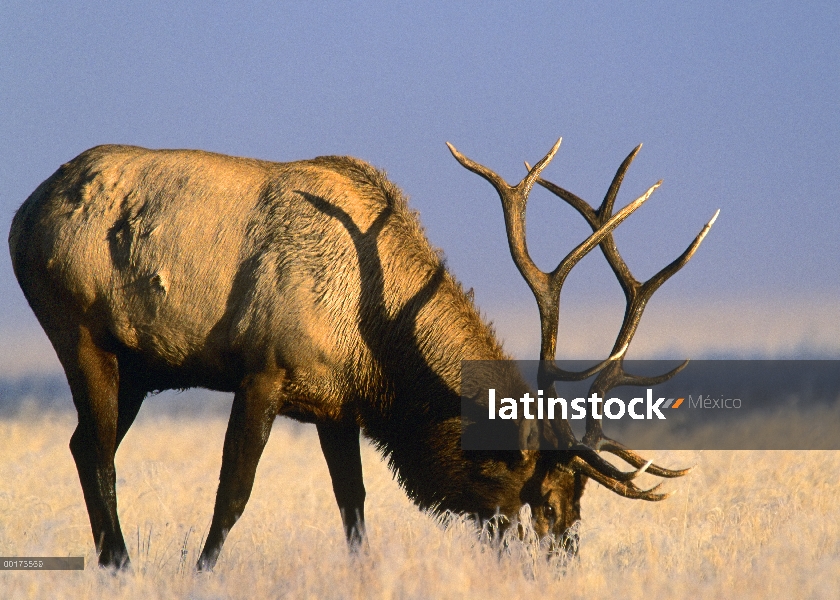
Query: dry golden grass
{"type": "Point", "coordinates": [743, 524]}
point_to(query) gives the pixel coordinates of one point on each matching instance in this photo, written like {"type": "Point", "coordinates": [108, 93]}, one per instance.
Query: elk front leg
{"type": "Point", "coordinates": [255, 405]}
{"type": "Point", "coordinates": [340, 444]}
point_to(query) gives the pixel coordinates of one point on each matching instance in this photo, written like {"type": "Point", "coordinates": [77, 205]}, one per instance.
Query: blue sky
{"type": "Point", "coordinates": [737, 106]}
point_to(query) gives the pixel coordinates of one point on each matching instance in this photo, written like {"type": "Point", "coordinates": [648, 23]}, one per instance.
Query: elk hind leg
{"type": "Point", "coordinates": [93, 375]}
{"type": "Point", "coordinates": [340, 444]}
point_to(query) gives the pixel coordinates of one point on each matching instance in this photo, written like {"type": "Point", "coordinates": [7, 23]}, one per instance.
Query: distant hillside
{"type": "Point", "coordinates": [51, 392]}
{"type": "Point", "coordinates": [39, 391]}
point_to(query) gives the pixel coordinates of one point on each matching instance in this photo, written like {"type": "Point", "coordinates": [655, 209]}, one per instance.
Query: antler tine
{"type": "Point", "coordinates": [591, 457]}
{"type": "Point", "coordinates": [613, 376]}
{"type": "Point", "coordinates": [624, 453]}
{"type": "Point", "coordinates": [664, 274]}
{"type": "Point", "coordinates": [533, 174]}
{"type": "Point", "coordinates": [626, 489]}
{"type": "Point", "coordinates": [612, 193]}
{"type": "Point", "coordinates": [500, 184]}
{"type": "Point", "coordinates": [559, 374]}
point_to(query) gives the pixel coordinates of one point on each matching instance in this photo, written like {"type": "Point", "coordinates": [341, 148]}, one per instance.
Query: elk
{"type": "Point", "coordinates": [309, 290]}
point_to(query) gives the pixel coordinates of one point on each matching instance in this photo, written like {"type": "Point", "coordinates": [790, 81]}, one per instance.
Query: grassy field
{"type": "Point", "coordinates": [743, 524]}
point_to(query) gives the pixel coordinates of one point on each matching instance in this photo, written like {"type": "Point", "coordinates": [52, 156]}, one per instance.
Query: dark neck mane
{"type": "Point", "coordinates": [413, 409]}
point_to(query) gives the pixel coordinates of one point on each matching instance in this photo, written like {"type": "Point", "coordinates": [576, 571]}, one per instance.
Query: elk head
{"type": "Point", "coordinates": [555, 465]}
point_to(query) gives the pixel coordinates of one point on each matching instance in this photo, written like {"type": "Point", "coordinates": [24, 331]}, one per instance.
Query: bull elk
{"type": "Point", "coordinates": [309, 290]}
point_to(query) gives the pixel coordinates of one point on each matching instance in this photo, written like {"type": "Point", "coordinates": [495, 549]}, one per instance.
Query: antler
{"type": "Point", "coordinates": [636, 296]}
{"type": "Point", "coordinates": [546, 288]}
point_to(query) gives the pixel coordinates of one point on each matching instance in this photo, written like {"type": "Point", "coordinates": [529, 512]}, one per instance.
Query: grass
{"type": "Point", "coordinates": [743, 524]}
